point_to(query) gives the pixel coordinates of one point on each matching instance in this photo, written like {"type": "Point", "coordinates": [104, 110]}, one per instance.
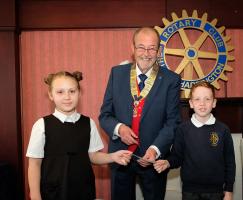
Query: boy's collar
{"type": "Point", "coordinates": [199, 124]}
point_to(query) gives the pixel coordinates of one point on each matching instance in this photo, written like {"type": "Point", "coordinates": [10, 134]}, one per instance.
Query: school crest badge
{"type": "Point", "coordinates": [214, 139]}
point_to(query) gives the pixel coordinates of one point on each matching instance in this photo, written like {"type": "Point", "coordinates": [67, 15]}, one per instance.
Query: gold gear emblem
{"type": "Point", "coordinates": [204, 58]}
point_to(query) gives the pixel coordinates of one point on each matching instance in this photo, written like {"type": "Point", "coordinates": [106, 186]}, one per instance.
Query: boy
{"type": "Point", "coordinates": [203, 147]}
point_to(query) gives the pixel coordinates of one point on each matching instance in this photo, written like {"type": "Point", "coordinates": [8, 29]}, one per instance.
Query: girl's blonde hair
{"type": "Point", "coordinates": [77, 76]}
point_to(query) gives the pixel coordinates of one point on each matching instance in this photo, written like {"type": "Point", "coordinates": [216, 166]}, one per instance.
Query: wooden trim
{"type": "Point", "coordinates": [7, 14]}
{"type": "Point", "coordinates": [228, 13]}
{"type": "Point", "coordinates": [90, 14]}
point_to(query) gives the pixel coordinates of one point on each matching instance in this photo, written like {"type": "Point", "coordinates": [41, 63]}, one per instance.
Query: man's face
{"type": "Point", "coordinates": [145, 50]}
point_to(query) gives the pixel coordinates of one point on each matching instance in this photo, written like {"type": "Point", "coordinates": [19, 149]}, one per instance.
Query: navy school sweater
{"type": "Point", "coordinates": [206, 156]}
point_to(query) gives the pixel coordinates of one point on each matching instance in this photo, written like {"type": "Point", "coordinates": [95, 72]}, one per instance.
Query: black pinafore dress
{"type": "Point", "coordinates": [66, 171]}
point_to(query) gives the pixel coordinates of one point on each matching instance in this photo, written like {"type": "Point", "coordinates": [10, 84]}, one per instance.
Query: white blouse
{"type": "Point", "coordinates": [37, 139]}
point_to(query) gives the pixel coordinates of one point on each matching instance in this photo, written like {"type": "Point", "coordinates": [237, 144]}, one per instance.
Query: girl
{"type": "Point", "coordinates": [63, 144]}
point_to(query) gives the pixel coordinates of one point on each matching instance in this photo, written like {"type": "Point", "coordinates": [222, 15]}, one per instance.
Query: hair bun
{"type": "Point", "coordinates": [48, 79]}
{"type": "Point", "coordinates": [78, 75]}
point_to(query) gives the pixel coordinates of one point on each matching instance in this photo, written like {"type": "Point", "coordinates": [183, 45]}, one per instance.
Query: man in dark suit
{"type": "Point", "coordinates": [140, 112]}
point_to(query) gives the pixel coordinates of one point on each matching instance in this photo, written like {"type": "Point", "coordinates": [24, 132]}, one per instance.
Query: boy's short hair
{"type": "Point", "coordinates": [202, 84]}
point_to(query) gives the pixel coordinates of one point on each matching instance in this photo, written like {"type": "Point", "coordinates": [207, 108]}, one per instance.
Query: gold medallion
{"type": "Point", "coordinates": [135, 111]}
{"type": "Point", "coordinates": [136, 103]}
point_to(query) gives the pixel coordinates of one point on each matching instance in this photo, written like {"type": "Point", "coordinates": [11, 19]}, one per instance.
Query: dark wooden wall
{"type": "Point", "coordinates": [18, 15]}
{"type": "Point", "coordinates": [51, 14]}
{"type": "Point", "coordinates": [228, 110]}
{"type": "Point", "coordinates": [228, 11]}
{"type": "Point", "coordinates": [7, 14]}
{"type": "Point", "coordinates": [90, 14]}
{"type": "Point", "coordinates": [10, 131]}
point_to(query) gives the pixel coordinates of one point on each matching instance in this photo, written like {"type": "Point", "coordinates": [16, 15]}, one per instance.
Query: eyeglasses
{"type": "Point", "coordinates": [142, 49]}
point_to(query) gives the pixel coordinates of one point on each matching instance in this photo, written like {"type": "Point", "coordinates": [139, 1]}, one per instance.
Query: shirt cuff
{"type": "Point", "coordinates": [228, 187]}
{"type": "Point", "coordinates": [156, 149]}
{"type": "Point", "coordinates": [116, 133]}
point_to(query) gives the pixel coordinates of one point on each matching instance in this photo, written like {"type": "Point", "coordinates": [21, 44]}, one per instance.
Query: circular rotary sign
{"type": "Point", "coordinates": [192, 53]}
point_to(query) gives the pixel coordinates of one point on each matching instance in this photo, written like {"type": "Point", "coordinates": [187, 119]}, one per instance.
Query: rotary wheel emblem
{"type": "Point", "coordinates": [199, 49]}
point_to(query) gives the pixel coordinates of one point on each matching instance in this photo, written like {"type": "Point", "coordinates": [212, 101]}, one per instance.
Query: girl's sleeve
{"type": "Point", "coordinates": [37, 140]}
{"type": "Point", "coordinates": [96, 143]}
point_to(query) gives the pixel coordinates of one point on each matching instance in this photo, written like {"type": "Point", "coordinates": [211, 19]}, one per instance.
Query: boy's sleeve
{"type": "Point", "coordinates": [177, 152]}
{"type": "Point", "coordinates": [229, 156]}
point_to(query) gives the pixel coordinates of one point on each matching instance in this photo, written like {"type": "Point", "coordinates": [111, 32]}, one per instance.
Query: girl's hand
{"type": "Point", "coordinates": [161, 165]}
{"type": "Point", "coordinates": [121, 157]}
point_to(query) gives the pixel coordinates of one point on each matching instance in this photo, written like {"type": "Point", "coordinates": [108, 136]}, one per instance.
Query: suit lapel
{"type": "Point", "coordinates": [153, 91]}
{"type": "Point", "coordinates": [129, 104]}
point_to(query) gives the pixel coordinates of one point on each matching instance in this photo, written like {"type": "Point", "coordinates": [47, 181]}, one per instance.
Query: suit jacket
{"type": "Point", "coordinates": [160, 114]}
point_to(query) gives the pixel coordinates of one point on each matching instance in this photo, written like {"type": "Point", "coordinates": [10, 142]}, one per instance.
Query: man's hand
{"type": "Point", "coordinates": [161, 165]}
{"type": "Point", "coordinates": [127, 135]}
{"type": "Point", "coordinates": [121, 157]}
{"type": "Point", "coordinates": [148, 158]}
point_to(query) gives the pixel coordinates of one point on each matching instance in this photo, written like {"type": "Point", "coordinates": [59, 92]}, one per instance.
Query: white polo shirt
{"type": "Point", "coordinates": [37, 139]}
{"type": "Point", "coordinates": [211, 120]}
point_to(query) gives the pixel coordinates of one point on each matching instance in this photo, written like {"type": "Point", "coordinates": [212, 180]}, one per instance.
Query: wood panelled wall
{"type": "Point", "coordinates": [120, 13]}
{"type": "Point", "coordinates": [228, 12]}
{"type": "Point", "coordinates": [93, 52]}
{"type": "Point", "coordinates": [20, 15]}
{"type": "Point", "coordinates": [7, 15]}
{"type": "Point", "coordinates": [10, 132]}
{"type": "Point", "coordinates": [90, 14]}
{"type": "Point", "coordinates": [9, 98]}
